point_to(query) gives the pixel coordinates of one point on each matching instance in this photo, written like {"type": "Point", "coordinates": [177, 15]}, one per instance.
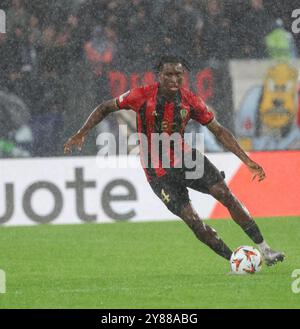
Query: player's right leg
{"type": "Point", "coordinates": [204, 233]}
{"type": "Point", "coordinates": [175, 196]}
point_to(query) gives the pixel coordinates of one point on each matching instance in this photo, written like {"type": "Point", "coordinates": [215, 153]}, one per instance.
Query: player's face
{"type": "Point", "coordinates": [171, 77]}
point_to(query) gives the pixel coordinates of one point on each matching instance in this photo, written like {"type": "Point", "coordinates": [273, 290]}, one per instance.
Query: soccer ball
{"type": "Point", "coordinates": [245, 259]}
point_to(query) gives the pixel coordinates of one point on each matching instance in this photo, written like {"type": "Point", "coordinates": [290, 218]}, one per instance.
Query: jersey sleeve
{"type": "Point", "coordinates": [200, 112]}
{"type": "Point", "coordinates": [132, 99]}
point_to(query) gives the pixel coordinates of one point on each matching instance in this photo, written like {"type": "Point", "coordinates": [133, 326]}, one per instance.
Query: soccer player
{"type": "Point", "coordinates": [166, 107]}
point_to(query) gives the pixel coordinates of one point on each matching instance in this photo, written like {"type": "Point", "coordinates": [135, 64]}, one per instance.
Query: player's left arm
{"type": "Point", "coordinates": [226, 138]}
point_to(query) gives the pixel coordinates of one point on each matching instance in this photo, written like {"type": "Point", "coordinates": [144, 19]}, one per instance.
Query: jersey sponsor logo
{"type": "Point", "coordinates": [166, 126]}
{"type": "Point", "coordinates": [170, 126]}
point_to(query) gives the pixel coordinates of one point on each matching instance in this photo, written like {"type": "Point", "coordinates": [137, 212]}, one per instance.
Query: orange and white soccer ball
{"type": "Point", "coordinates": [245, 259]}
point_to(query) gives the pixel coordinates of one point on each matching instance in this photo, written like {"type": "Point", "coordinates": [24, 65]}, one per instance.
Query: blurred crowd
{"type": "Point", "coordinates": [46, 40]}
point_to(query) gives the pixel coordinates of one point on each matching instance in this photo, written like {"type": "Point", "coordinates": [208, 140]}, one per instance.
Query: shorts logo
{"type": "Point", "coordinates": [165, 196]}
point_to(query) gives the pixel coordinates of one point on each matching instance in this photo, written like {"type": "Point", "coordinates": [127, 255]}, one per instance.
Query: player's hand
{"type": "Point", "coordinates": [257, 170]}
{"type": "Point", "coordinates": [76, 140]}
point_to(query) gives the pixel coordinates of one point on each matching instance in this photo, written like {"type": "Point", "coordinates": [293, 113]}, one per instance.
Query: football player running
{"type": "Point", "coordinates": [166, 107]}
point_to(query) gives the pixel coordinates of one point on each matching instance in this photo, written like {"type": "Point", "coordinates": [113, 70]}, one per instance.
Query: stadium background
{"type": "Point", "coordinates": [59, 59]}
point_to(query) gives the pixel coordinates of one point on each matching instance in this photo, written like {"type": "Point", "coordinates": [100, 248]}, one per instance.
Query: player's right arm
{"type": "Point", "coordinates": [132, 99]}
{"type": "Point", "coordinates": [99, 113]}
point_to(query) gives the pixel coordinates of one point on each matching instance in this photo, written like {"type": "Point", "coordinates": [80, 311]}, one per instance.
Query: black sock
{"type": "Point", "coordinates": [253, 231]}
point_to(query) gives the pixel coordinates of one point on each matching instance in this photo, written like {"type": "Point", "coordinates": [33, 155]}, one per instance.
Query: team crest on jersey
{"type": "Point", "coordinates": [183, 113]}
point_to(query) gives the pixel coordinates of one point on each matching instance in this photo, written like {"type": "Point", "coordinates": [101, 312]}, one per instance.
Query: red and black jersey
{"type": "Point", "coordinates": [156, 114]}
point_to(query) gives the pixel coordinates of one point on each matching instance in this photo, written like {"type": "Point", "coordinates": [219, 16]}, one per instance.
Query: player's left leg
{"type": "Point", "coordinates": [241, 216]}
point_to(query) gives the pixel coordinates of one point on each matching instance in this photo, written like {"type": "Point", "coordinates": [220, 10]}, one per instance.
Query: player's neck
{"type": "Point", "coordinates": [170, 96]}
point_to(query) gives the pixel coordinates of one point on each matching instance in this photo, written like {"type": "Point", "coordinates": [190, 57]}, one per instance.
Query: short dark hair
{"type": "Point", "coordinates": [167, 59]}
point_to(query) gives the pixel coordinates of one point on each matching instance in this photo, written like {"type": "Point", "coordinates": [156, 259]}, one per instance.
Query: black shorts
{"type": "Point", "coordinates": [172, 187]}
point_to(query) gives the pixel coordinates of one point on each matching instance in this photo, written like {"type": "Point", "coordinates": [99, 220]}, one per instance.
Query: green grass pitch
{"type": "Point", "coordinates": [141, 265]}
